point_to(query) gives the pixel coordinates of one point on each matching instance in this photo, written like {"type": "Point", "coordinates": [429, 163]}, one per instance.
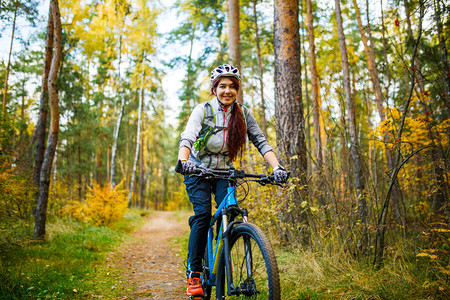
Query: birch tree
{"type": "Point", "coordinates": [138, 133]}
{"type": "Point", "coordinates": [118, 122]}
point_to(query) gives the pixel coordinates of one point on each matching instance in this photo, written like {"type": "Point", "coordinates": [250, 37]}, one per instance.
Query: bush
{"type": "Point", "coordinates": [103, 206]}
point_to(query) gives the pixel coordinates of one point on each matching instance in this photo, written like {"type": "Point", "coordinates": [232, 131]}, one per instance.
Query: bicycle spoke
{"type": "Point", "coordinates": [250, 274]}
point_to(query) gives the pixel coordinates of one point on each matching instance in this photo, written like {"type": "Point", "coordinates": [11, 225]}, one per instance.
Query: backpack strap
{"type": "Point", "coordinates": [208, 114]}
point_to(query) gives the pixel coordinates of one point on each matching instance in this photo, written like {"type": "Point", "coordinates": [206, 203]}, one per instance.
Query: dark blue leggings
{"type": "Point", "coordinates": [199, 191]}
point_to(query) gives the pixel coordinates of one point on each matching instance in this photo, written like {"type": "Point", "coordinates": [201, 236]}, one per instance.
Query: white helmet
{"type": "Point", "coordinates": [225, 70]}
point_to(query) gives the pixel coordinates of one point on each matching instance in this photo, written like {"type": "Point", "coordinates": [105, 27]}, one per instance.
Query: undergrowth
{"type": "Point", "coordinates": [322, 275]}
{"type": "Point", "coordinates": [72, 263]}
{"type": "Point", "coordinates": [334, 274]}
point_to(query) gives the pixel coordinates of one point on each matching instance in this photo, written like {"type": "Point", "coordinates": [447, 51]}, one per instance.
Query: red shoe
{"type": "Point", "coordinates": [194, 285]}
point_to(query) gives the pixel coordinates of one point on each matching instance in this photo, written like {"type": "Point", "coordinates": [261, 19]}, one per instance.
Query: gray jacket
{"type": "Point", "coordinates": [215, 154]}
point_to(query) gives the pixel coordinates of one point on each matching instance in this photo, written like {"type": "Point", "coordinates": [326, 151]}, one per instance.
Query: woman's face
{"type": "Point", "coordinates": [226, 91]}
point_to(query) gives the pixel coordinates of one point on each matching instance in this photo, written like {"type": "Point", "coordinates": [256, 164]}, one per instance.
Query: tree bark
{"type": "Point", "coordinates": [289, 112]}
{"type": "Point", "coordinates": [260, 71]}
{"type": "Point", "coordinates": [440, 199]}
{"type": "Point", "coordinates": [52, 141]}
{"type": "Point", "coordinates": [142, 180]}
{"type": "Point", "coordinates": [118, 123]}
{"type": "Point", "coordinates": [138, 133]}
{"type": "Point", "coordinates": [315, 97]}
{"type": "Point", "coordinates": [354, 145]}
{"type": "Point", "coordinates": [8, 66]}
{"type": "Point", "coordinates": [443, 49]}
{"type": "Point", "coordinates": [385, 51]}
{"type": "Point", "coordinates": [307, 116]}
{"type": "Point", "coordinates": [43, 111]}
{"type": "Point", "coordinates": [234, 39]}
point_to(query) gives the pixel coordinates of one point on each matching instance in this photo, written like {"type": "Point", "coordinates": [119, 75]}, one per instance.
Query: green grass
{"type": "Point", "coordinates": [322, 275]}
{"type": "Point", "coordinates": [75, 263]}
{"type": "Point", "coordinates": [71, 263]}
{"type": "Point", "coordinates": [334, 274]}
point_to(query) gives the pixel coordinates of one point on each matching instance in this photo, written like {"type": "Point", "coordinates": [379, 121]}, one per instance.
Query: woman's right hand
{"type": "Point", "coordinates": [185, 167]}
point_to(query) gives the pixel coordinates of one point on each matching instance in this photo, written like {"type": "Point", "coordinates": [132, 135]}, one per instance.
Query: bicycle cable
{"type": "Point", "coordinates": [245, 189]}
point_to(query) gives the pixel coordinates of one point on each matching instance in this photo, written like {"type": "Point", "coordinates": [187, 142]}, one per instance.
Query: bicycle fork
{"type": "Point", "coordinates": [226, 245]}
{"type": "Point", "coordinates": [232, 290]}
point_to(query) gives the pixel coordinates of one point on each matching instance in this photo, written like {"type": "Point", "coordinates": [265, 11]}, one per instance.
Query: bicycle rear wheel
{"type": "Point", "coordinates": [254, 267]}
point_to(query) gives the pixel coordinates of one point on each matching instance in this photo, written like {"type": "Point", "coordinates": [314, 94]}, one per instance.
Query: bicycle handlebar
{"type": "Point", "coordinates": [262, 179]}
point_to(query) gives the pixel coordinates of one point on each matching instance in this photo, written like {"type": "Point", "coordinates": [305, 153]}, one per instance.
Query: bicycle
{"type": "Point", "coordinates": [242, 263]}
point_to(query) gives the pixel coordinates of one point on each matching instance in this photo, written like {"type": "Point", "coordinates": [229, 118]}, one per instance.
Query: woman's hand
{"type": "Point", "coordinates": [185, 167]}
{"type": "Point", "coordinates": [280, 175]}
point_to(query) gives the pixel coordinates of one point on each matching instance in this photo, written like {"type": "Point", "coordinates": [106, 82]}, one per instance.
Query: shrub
{"type": "Point", "coordinates": [103, 205]}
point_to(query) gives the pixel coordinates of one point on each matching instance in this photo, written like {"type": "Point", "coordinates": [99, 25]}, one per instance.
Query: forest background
{"type": "Point", "coordinates": [354, 94]}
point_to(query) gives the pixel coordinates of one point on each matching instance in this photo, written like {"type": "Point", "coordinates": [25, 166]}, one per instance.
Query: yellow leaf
{"type": "Point", "coordinates": [440, 230]}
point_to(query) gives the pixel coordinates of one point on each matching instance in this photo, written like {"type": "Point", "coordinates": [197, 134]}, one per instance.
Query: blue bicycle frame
{"type": "Point", "coordinates": [213, 254]}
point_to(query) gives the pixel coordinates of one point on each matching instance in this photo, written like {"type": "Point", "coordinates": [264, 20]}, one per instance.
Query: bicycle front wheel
{"type": "Point", "coordinates": [253, 265]}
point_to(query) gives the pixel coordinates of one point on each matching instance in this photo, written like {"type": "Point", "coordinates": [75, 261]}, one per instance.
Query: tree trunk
{"type": "Point", "coordinates": [138, 133]}
{"type": "Point", "coordinates": [440, 199]}
{"type": "Point", "coordinates": [42, 120]}
{"type": "Point", "coordinates": [385, 51]}
{"type": "Point", "coordinates": [142, 180]}
{"type": "Point", "coordinates": [315, 96]}
{"type": "Point", "coordinates": [260, 71]}
{"type": "Point", "coordinates": [371, 65]}
{"type": "Point", "coordinates": [289, 112]}
{"type": "Point", "coordinates": [443, 49]}
{"type": "Point", "coordinates": [118, 123]}
{"type": "Point", "coordinates": [307, 122]}
{"type": "Point", "coordinates": [8, 66]}
{"type": "Point", "coordinates": [354, 145]}
{"type": "Point", "coordinates": [41, 209]}
{"type": "Point", "coordinates": [78, 169]}
{"type": "Point", "coordinates": [234, 39]}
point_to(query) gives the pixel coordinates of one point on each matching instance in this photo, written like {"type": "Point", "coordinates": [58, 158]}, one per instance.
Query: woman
{"type": "Point", "coordinates": [214, 137]}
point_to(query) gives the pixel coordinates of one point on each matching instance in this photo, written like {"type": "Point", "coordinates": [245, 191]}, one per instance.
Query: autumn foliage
{"type": "Point", "coordinates": [103, 206]}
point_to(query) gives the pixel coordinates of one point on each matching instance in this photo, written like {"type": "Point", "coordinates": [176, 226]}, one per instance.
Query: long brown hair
{"type": "Point", "coordinates": [237, 130]}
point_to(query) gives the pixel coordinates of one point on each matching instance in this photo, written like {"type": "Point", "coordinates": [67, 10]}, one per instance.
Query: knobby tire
{"type": "Point", "coordinates": [265, 282]}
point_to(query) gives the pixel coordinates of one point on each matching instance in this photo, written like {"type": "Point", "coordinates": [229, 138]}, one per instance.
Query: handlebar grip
{"type": "Point", "coordinates": [178, 167]}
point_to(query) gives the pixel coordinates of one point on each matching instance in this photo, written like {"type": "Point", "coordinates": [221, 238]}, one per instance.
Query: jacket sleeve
{"type": "Point", "coordinates": [193, 127]}
{"type": "Point", "coordinates": [255, 135]}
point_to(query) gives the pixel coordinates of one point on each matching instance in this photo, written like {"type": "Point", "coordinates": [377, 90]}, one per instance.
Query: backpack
{"type": "Point", "coordinates": [209, 126]}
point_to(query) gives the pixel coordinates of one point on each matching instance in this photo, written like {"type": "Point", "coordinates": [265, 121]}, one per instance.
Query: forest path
{"type": "Point", "coordinates": [151, 262]}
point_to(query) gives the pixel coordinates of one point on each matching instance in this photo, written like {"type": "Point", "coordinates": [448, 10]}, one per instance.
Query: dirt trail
{"type": "Point", "coordinates": [151, 262]}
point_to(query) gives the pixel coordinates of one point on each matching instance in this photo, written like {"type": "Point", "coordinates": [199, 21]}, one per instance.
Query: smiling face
{"type": "Point", "coordinates": [226, 91]}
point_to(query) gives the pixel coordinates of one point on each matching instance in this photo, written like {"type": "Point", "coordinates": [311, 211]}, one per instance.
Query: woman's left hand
{"type": "Point", "coordinates": [280, 175]}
